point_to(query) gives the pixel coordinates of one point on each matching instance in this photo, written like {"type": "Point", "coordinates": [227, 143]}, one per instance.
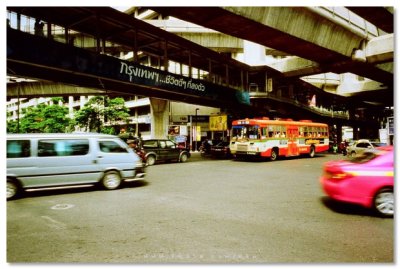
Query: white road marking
{"type": "Point", "coordinates": [52, 223]}
{"type": "Point", "coordinates": [62, 206]}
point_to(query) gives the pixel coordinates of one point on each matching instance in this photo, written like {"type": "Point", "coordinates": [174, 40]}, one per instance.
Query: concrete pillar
{"type": "Point", "coordinates": [339, 127]}
{"type": "Point", "coordinates": [71, 105]}
{"type": "Point", "coordinates": [356, 132]}
{"type": "Point", "coordinates": [82, 101]}
{"type": "Point", "coordinates": [159, 117]}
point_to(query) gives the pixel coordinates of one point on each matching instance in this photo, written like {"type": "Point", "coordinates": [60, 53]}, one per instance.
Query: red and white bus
{"type": "Point", "coordinates": [273, 138]}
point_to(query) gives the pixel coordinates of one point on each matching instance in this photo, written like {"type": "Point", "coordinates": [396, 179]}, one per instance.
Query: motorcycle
{"type": "Point", "coordinates": [142, 155]}
{"type": "Point", "coordinates": [204, 151]}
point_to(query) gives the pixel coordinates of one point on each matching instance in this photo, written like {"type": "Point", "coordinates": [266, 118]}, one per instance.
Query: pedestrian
{"type": "Point", "coordinates": [39, 27]}
{"type": "Point", "coordinates": [335, 146]}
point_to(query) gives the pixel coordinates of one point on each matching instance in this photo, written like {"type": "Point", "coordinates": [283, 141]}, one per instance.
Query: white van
{"type": "Point", "coordinates": [51, 160]}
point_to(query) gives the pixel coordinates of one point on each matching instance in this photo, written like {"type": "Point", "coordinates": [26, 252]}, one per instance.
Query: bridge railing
{"type": "Point", "coordinates": [82, 40]}
{"type": "Point", "coordinates": [322, 111]}
{"type": "Point", "coordinates": [348, 19]}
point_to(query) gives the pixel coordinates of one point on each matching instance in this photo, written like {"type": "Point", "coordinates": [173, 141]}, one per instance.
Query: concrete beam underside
{"type": "Point", "coordinates": [377, 50]}
{"type": "Point", "coordinates": [304, 24]}
{"type": "Point", "coordinates": [34, 89]}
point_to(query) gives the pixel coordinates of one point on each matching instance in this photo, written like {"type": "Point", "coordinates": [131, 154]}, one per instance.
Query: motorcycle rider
{"type": "Point", "coordinates": [205, 147]}
{"type": "Point", "coordinates": [134, 144]}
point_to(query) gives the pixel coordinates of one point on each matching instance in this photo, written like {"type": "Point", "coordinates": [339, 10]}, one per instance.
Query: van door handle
{"type": "Point", "coordinates": [98, 157]}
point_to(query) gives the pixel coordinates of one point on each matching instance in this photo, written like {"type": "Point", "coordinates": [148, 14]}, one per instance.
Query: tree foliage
{"type": "Point", "coordinates": [42, 119]}
{"type": "Point", "coordinates": [97, 115]}
{"type": "Point", "coordinates": [100, 110]}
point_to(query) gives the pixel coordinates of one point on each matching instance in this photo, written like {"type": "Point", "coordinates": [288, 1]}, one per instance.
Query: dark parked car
{"type": "Point", "coordinates": [164, 150]}
{"type": "Point", "coordinates": [221, 150]}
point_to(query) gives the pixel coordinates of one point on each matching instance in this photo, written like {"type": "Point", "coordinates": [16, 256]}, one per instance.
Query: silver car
{"type": "Point", "coordinates": [359, 146]}
{"type": "Point", "coordinates": [52, 160]}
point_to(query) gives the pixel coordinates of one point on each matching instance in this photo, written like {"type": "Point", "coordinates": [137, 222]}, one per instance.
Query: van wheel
{"type": "Point", "coordinates": [151, 160]}
{"type": "Point", "coordinates": [183, 158]}
{"type": "Point", "coordinates": [111, 180]}
{"type": "Point", "coordinates": [384, 202]}
{"type": "Point", "coordinates": [13, 189]}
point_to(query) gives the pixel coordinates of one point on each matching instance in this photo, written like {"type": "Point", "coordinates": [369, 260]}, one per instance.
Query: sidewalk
{"type": "Point", "coordinates": [195, 155]}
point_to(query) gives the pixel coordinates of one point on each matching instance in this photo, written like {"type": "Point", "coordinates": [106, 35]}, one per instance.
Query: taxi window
{"type": "Point", "coordinates": [363, 145]}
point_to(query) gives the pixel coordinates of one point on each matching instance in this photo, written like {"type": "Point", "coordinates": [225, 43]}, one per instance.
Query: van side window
{"type": "Point", "coordinates": [111, 147]}
{"type": "Point", "coordinates": [61, 147]}
{"type": "Point", "coordinates": [18, 148]}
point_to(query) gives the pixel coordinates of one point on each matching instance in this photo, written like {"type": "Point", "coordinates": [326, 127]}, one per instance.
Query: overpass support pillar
{"type": "Point", "coordinates": [159, 117]}
{"type": "Point", "coordinates": [356, 132]}
{"type": "Point", "coordinates": [339, 128]}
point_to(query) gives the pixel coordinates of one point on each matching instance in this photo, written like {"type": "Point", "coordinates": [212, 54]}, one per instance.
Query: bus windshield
{"type": "Point", "coordinates": [245, 131]}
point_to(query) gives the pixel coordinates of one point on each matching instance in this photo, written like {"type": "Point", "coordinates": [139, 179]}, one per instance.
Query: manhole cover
{"type": "Point", "coordinates": [62, 206]}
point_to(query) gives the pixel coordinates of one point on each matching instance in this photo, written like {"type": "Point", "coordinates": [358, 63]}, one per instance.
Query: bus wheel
{"type": "Point", "coordinates": [312, 152]}
{"type": "Point", "coordinates": [274, 155]}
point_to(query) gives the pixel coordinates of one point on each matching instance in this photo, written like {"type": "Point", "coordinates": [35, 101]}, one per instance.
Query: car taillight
{"type": "Point", "coordinates": [337, 175]}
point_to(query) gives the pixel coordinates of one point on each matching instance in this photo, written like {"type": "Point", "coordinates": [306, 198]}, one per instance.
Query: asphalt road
{"type": "Point", "coordinates": [202, 211]}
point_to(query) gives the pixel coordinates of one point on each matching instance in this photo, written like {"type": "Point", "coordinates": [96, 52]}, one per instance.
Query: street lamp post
{"type": "Point", "coordinates": [195, 128]}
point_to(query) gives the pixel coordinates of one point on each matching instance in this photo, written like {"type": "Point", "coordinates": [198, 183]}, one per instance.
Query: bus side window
{"type": "Point", "coordinates": [283, 131]}
{"type": "Point", "coordinates": [301, 131]}
{"type": "Point", "coordinates": [270, 131]}
{"type": "Point", "coordinates": [264, 133]}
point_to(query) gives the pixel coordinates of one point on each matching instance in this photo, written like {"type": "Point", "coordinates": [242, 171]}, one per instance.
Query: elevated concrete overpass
{"type": "Point", "coordinates": [378, 51]}
{"type": "Point", "coordinates": [310, 33]}
{"type": "Point", "coordinates": [113, 32]}
{"type": "Point", "coordinates": [382, 17]}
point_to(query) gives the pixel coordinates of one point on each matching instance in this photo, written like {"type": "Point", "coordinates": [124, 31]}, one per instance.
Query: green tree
{"type": "Point", "coordinates": [55, 119]}
{"type": "Point", "coordinates": [43, 119]}
{"type": "Point", "coordinates": [12, 126]}
{"type": "Point", "coordinates": [100, 110]}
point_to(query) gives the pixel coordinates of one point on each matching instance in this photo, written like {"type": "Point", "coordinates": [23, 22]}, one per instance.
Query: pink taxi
{"type": "Point", "coordinates": [366, 179]}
